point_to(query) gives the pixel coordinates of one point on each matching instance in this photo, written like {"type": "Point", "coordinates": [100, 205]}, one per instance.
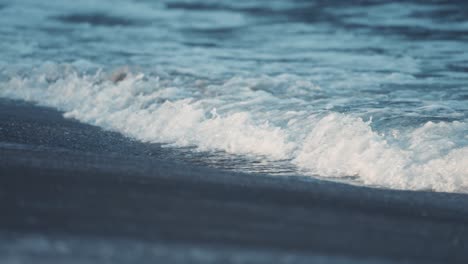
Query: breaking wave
{"type": "Point", "coordinates": [252, 116]}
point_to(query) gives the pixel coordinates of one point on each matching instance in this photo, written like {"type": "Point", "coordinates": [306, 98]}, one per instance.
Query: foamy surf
{"type": "Point", "coordinates": [256, 116]}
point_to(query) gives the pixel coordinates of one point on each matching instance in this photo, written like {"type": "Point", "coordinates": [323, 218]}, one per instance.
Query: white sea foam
{"type": "Point", "coordinates": [261, 116]}
{"type": "Point", "coordinates": [428, 158]}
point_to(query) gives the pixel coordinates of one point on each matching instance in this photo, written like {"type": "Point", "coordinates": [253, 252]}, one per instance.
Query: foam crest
{"type": "Point", "coordinates": [148, 110]}
{"type": "Point", "coordinates": [251, 116]}
{"type": "Point", "coordinates": [428, 158]}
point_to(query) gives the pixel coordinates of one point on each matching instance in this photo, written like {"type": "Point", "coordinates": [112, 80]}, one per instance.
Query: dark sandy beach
{"type": "Point", "coordinates": [73, 192]}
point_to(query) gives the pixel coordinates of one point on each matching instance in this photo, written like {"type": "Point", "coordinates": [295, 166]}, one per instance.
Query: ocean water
{"type": "Point", "coordinates": [369, 92]}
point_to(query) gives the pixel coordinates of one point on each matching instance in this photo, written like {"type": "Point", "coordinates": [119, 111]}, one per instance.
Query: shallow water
{"type": "Point", "coordinates": [371, 92]}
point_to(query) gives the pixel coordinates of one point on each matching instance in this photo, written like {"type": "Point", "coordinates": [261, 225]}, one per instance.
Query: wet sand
{"type": "Point", "coordinates": [61, 180]}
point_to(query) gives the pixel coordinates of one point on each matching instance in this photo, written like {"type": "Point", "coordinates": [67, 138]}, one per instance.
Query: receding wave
{"type": "Point", "coordinates": [241, 115]}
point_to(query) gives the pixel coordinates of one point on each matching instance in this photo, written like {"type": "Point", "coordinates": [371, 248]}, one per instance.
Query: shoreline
{"type": "Point", "coordinates": [60, 177]}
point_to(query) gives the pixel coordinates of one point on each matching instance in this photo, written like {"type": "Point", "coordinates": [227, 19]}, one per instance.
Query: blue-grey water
{"type": "Point", "coordinates": [368, 91]}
